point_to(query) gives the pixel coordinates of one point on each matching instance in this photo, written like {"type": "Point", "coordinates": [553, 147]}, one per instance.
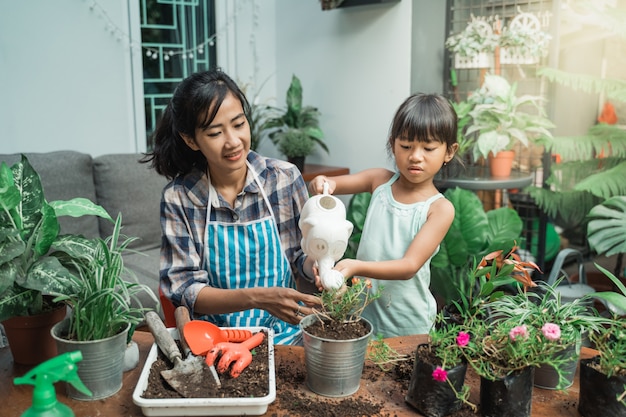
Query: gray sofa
{"type": "Point", "coordinates": [120, 184]}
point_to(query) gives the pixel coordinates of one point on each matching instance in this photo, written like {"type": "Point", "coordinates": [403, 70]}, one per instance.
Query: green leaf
{"type": "Point", "coordinates": [78, 207]}
{"type": "Point", "coordinates": [606, 231]}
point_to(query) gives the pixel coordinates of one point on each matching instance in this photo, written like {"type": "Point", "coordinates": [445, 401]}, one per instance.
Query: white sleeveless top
{"type": "Point", "coordinates": [405, 307]}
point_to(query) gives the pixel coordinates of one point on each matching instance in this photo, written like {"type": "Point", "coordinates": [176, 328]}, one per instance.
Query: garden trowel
{"type": "Point", "coordinates": [181, 315]}
{"type": "Point", "coordinates": [186, 374]}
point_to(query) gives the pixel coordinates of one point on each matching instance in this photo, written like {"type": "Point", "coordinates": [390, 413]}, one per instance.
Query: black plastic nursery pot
{"type": "Point", "coordinates": [433, 398]}
{"type": "Point", "coordinates": [510, 396]}
{"type": "Point", "coordinates": [598, 394]}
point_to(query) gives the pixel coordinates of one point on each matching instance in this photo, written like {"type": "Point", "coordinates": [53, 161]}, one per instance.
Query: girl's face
{"type": "Point", "coordinates": [225, 143]}
{"type": "Point", "coordinates": [419, 161]}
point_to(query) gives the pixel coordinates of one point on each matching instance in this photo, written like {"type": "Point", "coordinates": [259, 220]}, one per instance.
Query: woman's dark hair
{"type": "Point", "coordinates": [187, 110]}
{"type": "Point", "coordinates": [424, 117]}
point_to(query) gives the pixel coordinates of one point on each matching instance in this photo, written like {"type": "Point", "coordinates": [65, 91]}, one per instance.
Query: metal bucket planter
{"type": "Point", "coordinates": [333, 367]}
{"type": "Point", "coordinates": [548, 378]}
{"type": "Point", "coordinates": [101, 369]}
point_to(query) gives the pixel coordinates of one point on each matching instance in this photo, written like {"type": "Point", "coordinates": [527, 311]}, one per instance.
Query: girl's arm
{"type": "Point", "coordinates": [364, 181]}
{"type": "Point", "coordinates": [440, 217]}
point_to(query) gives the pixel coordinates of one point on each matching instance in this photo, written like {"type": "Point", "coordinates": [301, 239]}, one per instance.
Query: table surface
{"type": "Point", "coordinates": [478, 178]}
{"type": "Point", "coordinates": [15, 399]}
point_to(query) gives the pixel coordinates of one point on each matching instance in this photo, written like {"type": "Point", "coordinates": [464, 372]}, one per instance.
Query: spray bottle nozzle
{"type": "Point", "coordinates": [43, 377]}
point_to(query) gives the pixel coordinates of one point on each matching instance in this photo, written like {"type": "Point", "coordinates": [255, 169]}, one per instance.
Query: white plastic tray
{"type": "Point", "coordinates": [205, 406]}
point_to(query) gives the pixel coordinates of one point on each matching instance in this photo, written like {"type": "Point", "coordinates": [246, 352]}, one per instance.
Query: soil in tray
{"type": "Point", "coordinates": [253, 382]}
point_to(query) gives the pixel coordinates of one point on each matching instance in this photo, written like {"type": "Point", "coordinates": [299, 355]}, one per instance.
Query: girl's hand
{"type": "Point", "coordinates": [316, 186]}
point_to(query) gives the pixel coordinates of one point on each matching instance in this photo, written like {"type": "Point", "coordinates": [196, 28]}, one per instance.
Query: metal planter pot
{"type": "Point", "coordinates": [333, 367]}
{"type": "Point", "coordinates": [101, 369]}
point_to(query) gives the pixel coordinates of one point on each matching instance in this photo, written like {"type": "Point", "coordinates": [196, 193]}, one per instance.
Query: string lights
{"type": "Point", "coordinates": [151, 52]}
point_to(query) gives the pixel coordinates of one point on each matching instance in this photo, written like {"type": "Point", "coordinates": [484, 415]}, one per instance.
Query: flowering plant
{"type": "Point", "coordinates": [543, 304]}
{"type": "Point", "coordinates": [348, 302]}
{"type": "Point", "coordinates": [504, 345]}
{"type": "Point", "coordinates": [444, 351]}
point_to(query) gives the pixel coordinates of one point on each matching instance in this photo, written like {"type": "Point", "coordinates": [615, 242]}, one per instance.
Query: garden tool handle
{"type": "Point", "coordinates": [181, 314]}
{"type": "Point", "coordinates": [254, 341]}
{"type": "Point", "coordinates": [163, 338]}
{"type": "Point", "coordinates": [236, 335]}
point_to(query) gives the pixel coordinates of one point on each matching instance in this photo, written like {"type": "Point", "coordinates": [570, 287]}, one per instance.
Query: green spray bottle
{"type": "Point", "coordinates": [43, 377]}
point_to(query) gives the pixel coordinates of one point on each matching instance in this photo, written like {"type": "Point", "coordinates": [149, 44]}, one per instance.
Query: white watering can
{"type": "Point", "coordinates": [325, 234]}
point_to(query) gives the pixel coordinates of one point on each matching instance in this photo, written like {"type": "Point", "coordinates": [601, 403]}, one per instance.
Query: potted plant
{"type": "Point", "coordinates": [104, 311]}
{"type": "Point", "coordinates": [296, 132]}
{"type": "Point", "coordinates": [474, 46]}
{"type": "Point", "coordinates": [473, 234]}
{"type": "Point", "coordinates": [502, 120]}
{"type": "Point", "coordinates": [575, 320]}
{"type": "Point", "coordinates": [603, 377]}
{"type": "Point", "coordinates": [32, 253]}
{"type": "Point", "coordinates": [504, 353]}
{"type": "Point", "coordinates": [336, 339]}
{"type": "Point", "coordinates": [523, 41]}
{"type": "Point", "coordinates": [437, 386]}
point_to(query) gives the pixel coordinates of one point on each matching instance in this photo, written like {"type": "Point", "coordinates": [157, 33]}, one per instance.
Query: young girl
{"type": "Point", "coordinates": [229, 217]}
{"type": "Point", "coordinates": [407, 217]}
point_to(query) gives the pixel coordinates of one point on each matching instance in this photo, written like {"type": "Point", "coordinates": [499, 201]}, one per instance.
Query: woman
{"type": "Point", "coordinates": [229, 217]}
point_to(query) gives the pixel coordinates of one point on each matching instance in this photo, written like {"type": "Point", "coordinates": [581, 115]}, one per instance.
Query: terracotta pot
{"type": "Point", "coordinates": [501, 163]}
{"type": "Point", "coordinates": [29, 336]}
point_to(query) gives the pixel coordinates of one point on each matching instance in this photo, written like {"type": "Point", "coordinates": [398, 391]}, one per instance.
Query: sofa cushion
{"type": "Point", "coordinates": [123, 185]}
{"type": "Point", "coordinates": [65, 175]}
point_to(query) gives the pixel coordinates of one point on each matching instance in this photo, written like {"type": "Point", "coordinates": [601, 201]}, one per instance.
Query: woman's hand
{"type": "Point", "coordinates": [289, 305]}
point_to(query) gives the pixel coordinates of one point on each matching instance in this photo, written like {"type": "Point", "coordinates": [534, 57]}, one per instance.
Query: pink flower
{"type": "Point", "coordinates": [518, 331]}
{"type": "Point", "coordinates": [551, 331]}
{"type": "Point", "coordinates": [462, 339]}
{"type": "Point", "coordinates": [440, 374]}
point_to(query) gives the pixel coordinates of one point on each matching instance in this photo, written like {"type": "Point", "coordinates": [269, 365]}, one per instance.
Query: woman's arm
{"type": "Point", "coordinates": [424, 244]}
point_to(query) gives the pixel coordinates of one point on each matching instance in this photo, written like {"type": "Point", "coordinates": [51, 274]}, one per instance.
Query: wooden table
{"type": "Point", "coordinates": [15, 399]}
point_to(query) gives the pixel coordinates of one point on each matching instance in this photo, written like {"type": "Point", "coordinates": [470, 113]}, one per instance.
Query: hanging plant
{"type": "Point", "coordinates": [523, 41]}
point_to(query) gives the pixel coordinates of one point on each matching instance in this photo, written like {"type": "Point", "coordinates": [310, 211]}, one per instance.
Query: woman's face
{"type": "Point", "coordinates": [225, 143]}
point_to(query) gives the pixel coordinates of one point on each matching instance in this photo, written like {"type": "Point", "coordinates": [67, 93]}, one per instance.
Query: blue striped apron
{"type": "Point", "coordinates": [247, 255]}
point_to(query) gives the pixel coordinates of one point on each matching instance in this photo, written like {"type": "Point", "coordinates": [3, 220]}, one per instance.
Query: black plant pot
{"type": "Point", "coordinates": [298, 161]}
{"type": "Point", "coordinates": [433, 398]}
{"type": "Point", "coordinates": [598, 394]}
{"type": "Point", "coordinates": [510, 396]}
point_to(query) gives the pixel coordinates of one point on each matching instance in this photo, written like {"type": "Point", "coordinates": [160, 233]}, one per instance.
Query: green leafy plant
{"type": "Point", "coordinates": [103, 291]}
{"type": "Point", "coordinates": [494, 271]}
{"type": "Point", "coordinates": [505, 345]}
{"type": "Point", "coordinates": [477, 37]}
{"type": "Point", "coordinates": [381, 354]}
{"type": "Point", "coordinates": [473, 234]}
{"type": "Point", "coordinates": [355, 214]}
{"type": "Point", "coordinates": [347, 303]}
{"type": "Point", "coordinates": [296, 122]}
{"type": "Point", "coordinates": [502, 119]}
{"type": "Point", "coordinates": [30, 243]}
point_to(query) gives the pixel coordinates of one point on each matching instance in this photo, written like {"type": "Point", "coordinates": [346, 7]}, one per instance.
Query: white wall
{"type": "Point", "coordinates": [354, 64]}
{"type": "Point", "coordinates": [65, 81]}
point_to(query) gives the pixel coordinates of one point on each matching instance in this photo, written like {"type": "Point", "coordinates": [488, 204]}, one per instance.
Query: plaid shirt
{"type": "Point", "coordinates": [183, 221]}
